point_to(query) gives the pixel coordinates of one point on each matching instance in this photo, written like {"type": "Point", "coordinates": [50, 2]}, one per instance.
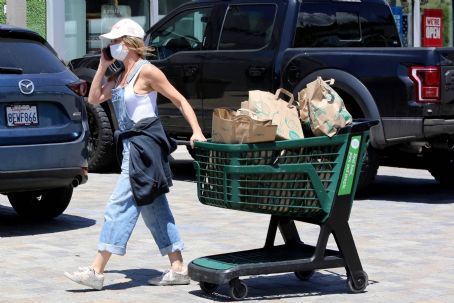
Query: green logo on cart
{"type": "Point", "coordinates": [351, 162]}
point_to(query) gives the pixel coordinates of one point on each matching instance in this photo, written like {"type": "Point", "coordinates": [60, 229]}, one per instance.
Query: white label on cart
{"type": "Point", "coordinates": [351, 161]}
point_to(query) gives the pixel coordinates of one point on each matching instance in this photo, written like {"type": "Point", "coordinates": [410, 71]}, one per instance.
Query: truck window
{"type": "Point", "coordinates": [247, 27]}
{"type": "Point", "coordinates": [184, 32]}
{"type": "Point", "coordinates": [345, 24]}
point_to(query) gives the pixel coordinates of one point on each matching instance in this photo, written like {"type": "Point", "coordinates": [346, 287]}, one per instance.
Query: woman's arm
{"type": "Point", "coordinates": [156, 79]}
{"type": "Point", "coordinates": [100, 93]}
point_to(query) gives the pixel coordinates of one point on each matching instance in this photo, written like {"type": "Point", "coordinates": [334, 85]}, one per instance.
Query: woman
{"type": "Point", "coordinates": [133, 92]}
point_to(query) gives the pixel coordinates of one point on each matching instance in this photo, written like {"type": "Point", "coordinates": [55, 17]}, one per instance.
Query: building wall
{"type": "Point", "coordinates": [25, 13]}
{"type": "Point", "coordinates": [15, 13]}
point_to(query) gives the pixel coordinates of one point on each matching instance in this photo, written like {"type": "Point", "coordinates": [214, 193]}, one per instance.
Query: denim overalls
{"type": "Point", "coordinates": [122, 212]}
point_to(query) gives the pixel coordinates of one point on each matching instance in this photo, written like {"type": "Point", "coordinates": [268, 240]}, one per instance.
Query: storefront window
{"type": "Point", "coordinates": [85, 20]}
{"type": "Point", "coordinates": [102, 14]}
{"type": "Point", "coordinates": [403, 15]}
{"type": "Point", "coordinates": [75, 29]}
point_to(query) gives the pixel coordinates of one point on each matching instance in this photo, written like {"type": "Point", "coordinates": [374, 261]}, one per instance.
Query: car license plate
{"type": "Point", "coordinates": [21, 115]}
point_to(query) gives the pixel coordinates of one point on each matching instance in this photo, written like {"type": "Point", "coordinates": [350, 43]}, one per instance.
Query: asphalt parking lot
{"type": "Point", "coordinates": [403, 232]}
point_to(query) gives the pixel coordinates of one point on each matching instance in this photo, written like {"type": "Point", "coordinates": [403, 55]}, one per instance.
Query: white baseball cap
{"type": "Point", "coordinates": [124, 27]}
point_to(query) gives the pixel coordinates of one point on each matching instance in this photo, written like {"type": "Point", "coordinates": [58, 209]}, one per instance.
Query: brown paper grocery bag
{"type": "Point", "coordinates": [283, 114]}
{"type": "Point", "coordinates": [230, 127]}
{"type": "Point", "coordinates": [323, 108]}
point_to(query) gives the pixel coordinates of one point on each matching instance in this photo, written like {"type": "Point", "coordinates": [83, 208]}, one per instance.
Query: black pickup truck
{"type": "Point", "coordinates": [214, 52]}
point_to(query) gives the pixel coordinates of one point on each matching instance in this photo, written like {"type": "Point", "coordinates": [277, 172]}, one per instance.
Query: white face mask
{"type": "Point", "coordinates": [118, 51]}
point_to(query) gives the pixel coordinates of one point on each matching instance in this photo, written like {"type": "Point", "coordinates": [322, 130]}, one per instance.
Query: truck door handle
{"type": "Point", "coordinates": [190, 70]}
{"type": "Point", "coordinates": [256, 71]}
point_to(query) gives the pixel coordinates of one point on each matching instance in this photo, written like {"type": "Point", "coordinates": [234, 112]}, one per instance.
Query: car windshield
{"type": "Point", "coordinates": [28, 57]}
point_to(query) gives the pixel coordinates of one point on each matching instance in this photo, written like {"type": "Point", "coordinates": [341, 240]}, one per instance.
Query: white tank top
{"type": "Point", "coordinates": [139, 106]}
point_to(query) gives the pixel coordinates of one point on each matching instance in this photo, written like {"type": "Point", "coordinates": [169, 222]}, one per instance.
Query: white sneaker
{"type": "Point", "coordinates": [88, 277]}
{"type": "Point", "coordinates": [170, 277]}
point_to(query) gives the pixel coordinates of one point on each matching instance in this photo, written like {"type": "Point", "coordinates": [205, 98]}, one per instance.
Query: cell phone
{"type": "Point", "coordinates": [107, 53]}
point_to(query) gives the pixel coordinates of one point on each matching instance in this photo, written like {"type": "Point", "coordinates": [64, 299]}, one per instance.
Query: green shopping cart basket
{"type": "Point", "coordinates": [311, 180]}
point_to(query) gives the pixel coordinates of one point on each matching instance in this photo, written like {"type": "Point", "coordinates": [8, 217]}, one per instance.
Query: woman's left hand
{"type": "Point", "coordinates": [197, 137]}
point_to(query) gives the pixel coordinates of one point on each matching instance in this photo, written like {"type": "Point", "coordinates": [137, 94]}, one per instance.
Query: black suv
{"type": "Point", "coordinates": [43, 126]}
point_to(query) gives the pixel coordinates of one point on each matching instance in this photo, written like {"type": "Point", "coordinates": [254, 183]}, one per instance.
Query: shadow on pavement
{"type": "Point", "coordinates": [130, 278]}
{"type": "Point", "coordinates": [413, 190]}
{"type": "Point", "coordinates": [11, 225]}
{"type": "Point", "coordinates": [283, 286]}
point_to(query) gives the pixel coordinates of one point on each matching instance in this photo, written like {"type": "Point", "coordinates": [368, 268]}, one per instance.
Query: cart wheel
{"type": "Point", "coordinates": [238, 289]}
{"type": "Point", "coordinates": [208, 288]}
{"type": "Point", "coordinates": [361, 279]}
{"type": "Point", "coordinates": [304, 275]}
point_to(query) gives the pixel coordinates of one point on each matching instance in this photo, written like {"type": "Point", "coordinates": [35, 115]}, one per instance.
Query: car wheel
{"type": "Point", "coordinates": [441, 165]}
{"type": "Point", "coordinates": [101, 152]}
{"type": "Point", "coordinates": [41, 205]}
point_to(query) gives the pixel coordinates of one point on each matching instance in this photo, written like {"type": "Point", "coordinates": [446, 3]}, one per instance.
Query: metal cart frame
{"type": "Point", "coordinates": [294, 255]}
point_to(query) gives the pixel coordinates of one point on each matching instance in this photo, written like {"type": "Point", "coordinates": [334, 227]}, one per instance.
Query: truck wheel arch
{"type": "Point", "coordinates": [354, 88]}
{"type": "Point", "coordinates": [101, 155]}
{"type": "Point", "coordinates": [88, 74]}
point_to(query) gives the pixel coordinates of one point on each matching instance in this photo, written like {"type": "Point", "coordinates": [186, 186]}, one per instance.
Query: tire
{"type": "Point", "coordinates": [441, 166]}
{"type": "Point", "coordinates": [238, 289]}
{"type": "Point", "coordinates": [101, 152]}
{"type": "Point", "coordinates": [369, 169]}
{"type": "Point", "coordinates": [41, 205]}
{"type": "Point", "coordinates": [361, 279]}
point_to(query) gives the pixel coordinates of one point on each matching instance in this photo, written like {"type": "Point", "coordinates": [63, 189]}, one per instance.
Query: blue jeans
{"type": "Point", "coordinates": [122, 213]}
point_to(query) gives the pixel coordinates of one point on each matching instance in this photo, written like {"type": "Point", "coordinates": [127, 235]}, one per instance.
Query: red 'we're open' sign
{"type": "Point", "coordinates": [432, 27]}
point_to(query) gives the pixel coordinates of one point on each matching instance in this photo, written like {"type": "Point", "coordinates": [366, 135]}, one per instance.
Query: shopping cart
{"type": "Point", "coordinates": [311, 180]}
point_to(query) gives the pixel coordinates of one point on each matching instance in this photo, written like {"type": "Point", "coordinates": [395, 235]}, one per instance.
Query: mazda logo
{"type": "Point", "coordinates": [26, 86]}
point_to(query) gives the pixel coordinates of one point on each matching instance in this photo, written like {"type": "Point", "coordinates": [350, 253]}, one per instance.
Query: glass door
{"type": "Point", "coordinates": [102, 14]}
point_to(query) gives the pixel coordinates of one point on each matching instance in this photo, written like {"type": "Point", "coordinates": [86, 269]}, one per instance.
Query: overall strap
{"type": "Point", "coordinates": [136, 70]}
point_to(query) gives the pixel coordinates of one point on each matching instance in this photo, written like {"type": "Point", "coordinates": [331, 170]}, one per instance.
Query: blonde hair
{"type": "Point", "coordinates": [138, 46]}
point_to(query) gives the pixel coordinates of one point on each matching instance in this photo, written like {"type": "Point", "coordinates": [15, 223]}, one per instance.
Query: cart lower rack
{"type": "Point", "coordinates": [311, 180]}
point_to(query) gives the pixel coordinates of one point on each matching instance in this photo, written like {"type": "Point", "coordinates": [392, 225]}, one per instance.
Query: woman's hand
{"type": "Point", "coordinates": [197, 137]}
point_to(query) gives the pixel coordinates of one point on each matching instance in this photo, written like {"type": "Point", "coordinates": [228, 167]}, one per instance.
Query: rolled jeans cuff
{"type": "Point", "coordinates": [113, 249]}
{"type": "Point", "coordinates": [177, 246]}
